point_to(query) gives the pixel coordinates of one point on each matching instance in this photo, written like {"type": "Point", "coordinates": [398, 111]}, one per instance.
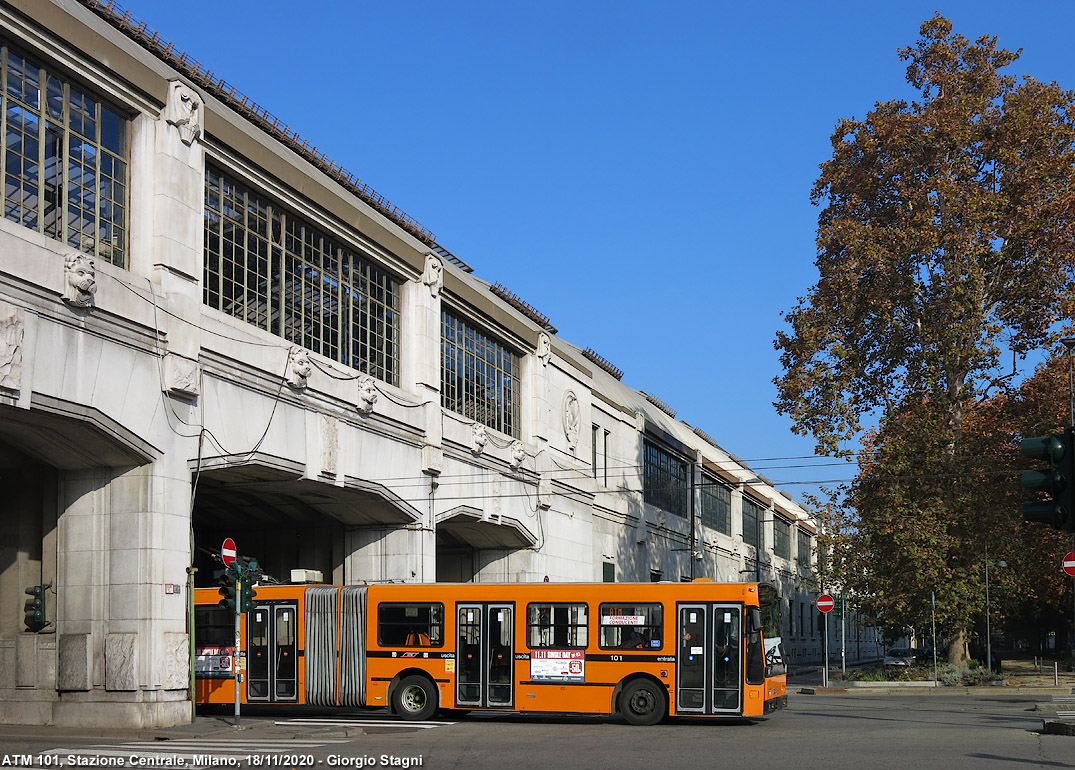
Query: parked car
{"type": "Point", "coordinates": [900, 656]}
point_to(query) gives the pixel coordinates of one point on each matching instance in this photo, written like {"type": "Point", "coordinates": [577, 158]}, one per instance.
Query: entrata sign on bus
{"type": "Point", "coordinates": [825, 603]}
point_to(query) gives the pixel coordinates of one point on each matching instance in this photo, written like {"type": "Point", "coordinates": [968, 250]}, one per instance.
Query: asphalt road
{"type": "Point", "coordinates": [823, 731]}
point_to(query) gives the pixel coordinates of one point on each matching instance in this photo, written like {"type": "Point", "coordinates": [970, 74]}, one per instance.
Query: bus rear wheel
{"type": "Point", "coordinates": [415, 698]}
{"type": "Point", "coordinates": [642, 702]}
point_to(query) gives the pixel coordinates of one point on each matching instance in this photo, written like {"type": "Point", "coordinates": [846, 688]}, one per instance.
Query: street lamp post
{"type": "Point", "coordinates": [988, 630]}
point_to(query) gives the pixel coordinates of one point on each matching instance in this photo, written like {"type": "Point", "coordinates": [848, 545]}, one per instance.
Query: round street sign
{"type": "Point", "coordinates": [1069, 563]}
{"type": "Point", "coordinates": [825, 603]}
{"type": "Point", "coordinates": [227, 552]}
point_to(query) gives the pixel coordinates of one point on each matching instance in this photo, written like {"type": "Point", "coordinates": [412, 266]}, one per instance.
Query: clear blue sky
{"type": "Point", "coordinates": [638, 172]}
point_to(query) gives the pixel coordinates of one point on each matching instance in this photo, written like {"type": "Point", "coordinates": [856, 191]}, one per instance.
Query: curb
{"type": "Point", "coordinates": [1057, 727]}
{"type": "Point", "coordinates": [350, 732]}
{"type": "Point", "coordinates": [892, 689]}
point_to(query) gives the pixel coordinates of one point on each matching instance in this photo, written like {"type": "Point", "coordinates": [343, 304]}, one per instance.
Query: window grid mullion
{"type": "Point", "coordinates": [3, 120]}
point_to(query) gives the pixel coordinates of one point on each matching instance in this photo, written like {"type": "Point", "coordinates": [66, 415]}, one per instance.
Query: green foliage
{"type": "Point", "coordinates": [873, 675]}
{"type": "Point", "coordinates": [969, 675]}
{"type": "Point", "coordinates": [949, 675]}
{"type": "Point", "coordinates": [977, 676]}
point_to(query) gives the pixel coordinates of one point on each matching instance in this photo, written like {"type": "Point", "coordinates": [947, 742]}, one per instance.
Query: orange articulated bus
{"type": "Point", "coordinates": [644, 650]}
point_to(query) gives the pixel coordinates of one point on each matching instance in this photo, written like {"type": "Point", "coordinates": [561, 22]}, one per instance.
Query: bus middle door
{"type": "Point", "coordinates": [485, 656]}
{"type": "Point", "coordinates": [709, 659]}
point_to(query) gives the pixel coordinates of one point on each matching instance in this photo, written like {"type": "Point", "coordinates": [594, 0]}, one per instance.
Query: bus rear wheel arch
{"type": "Point", "coordinates": [643, 701]}
{"type": "Point", "coordinates": [415, 698]}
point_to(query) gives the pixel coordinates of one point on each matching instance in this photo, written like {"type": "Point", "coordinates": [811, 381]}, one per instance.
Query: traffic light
{"type": "Point", "coordinates": [227, 590]}
{"type": "Point", "coordinates": [1058, 482]}
{"type": "Point", "coordinates": [247, 594]}
{"type": "Point", "coordinates": [35, 615]}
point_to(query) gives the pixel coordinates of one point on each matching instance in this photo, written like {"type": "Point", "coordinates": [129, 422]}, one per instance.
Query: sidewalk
{"type": "Point", "coordinates": [1018, 676]}
{"type": "Point", "coordinates": [211, 727]}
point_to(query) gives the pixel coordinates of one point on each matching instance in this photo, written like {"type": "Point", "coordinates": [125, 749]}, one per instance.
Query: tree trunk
{"type": "Point", "coordinates": [958, 654]}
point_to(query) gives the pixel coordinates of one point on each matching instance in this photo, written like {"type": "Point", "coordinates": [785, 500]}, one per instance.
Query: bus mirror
{"type": "Point", "coordinates": [754, 624]}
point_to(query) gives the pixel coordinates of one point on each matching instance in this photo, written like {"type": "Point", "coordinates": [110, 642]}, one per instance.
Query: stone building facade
{"type": "Point", "coordinates": [208, 329]}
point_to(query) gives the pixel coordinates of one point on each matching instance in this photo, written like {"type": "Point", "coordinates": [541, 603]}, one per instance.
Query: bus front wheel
{"type": "Point", "coordinates": [415, 698]}
{"type": "Point", "coordinates": [642, 702]}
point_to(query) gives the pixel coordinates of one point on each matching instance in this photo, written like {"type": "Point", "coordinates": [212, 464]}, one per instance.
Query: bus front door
{"type": "Point", "coordinates": [272, 653]}
{"type": "Point", "coordinates": [484, 656]}
{"type": "Point", "coordinates": [709, 659]}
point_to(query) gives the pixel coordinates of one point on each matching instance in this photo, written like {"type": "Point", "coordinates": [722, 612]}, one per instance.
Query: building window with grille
{"type": "Point", "coordinates": [479, 376]}
{"type": "Point", "coordinates": [752, 515]}
{"type": "Point", "coordinates": [782, 538]}
{"type": "Point", "coordinates": [805, 549]}
{"type": "Point", "coordinates": [716, 504]}
{"type": "Point", "coordinates": [595, 432]}
{"type": "Point", "coordinates": [665, 479]}
{"type": "Point", "coordinates": [272, 268]}
{"type": "Point", "coordinates": [64, 159]}
{"type": "Point", "coordinates": [599, 453]}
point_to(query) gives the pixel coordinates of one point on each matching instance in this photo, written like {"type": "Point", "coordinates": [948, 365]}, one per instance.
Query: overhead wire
{"type": "Point", "coordinates": [630, 469]}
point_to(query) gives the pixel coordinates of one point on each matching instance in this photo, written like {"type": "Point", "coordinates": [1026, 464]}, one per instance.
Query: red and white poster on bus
{"type": "Point", "coordinates": [213, 662]}
{"type": "Point", "coordinates": [558, 665]}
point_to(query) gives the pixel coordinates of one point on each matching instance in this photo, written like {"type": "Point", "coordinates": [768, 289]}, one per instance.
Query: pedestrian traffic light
{"type": "Point", "coordinates": [36, 616]}
{"type": "Point", "coordinates": [1058, 482]}
{"type": "Point", "coordinates": [247, 594]}
{"type": "Point", "coordinates": [227, 590]}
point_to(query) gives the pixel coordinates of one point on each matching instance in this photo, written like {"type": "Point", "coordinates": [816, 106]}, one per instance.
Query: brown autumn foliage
{"type": "Point", "coordinates": [944, 251]}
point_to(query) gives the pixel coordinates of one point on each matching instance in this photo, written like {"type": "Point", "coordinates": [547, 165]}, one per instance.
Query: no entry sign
{"type": "Point", "coordinates": [825, 603]}
{"type": "Point", "coordinates": [1069, 563]}
{"type": "Point", "coordinates": [227, 552]}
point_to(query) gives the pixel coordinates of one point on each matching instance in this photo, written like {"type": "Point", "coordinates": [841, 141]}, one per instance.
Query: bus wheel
{"type": "Point", "coordinates": [415, 698]}
{"type": "Point", "coordinates": [643, 703]}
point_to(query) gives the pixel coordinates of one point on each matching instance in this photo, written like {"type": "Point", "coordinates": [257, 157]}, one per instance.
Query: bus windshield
{"type": "Point", "coordinates": [769, 602]}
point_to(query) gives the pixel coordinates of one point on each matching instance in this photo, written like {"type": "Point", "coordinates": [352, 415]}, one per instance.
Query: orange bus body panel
{"type": "Point", "coordinates": [604, 670]}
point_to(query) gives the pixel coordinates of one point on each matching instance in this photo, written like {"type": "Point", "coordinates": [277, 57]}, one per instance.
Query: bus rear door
{"type": "Point", "coordinates": [272, 653]}
{"type": "Point", "coordinates": [709, 676]}
{"type": "Point", "coordinates": [484, 656]}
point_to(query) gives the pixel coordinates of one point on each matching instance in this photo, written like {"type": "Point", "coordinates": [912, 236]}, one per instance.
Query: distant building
{"type": "Point", "coordinates": [208, 329]}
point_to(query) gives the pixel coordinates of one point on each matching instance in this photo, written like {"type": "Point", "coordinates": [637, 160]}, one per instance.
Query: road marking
{"type": "Point", "coordinates": [196, 752]}
{"type": "Point", "coordinates": [324, 722]}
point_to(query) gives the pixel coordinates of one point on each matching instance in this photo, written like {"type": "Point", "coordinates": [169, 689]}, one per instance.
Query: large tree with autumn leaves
{"type": "Point", "coordinates": [944, 250]}
{"type": "Point", "coordinates": [918, 522]}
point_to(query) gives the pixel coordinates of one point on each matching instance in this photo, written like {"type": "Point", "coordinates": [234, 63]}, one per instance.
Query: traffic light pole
{"type": "Point", "coordinates": [236, 669]}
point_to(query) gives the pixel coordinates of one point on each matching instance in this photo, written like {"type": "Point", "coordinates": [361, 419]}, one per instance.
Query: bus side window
{"type": "Point", "coordinates": [410, 625]}
{"type": "Point", "coordinates": [630, 626]}
{"type": "Point", "coordinates": [557, 625]}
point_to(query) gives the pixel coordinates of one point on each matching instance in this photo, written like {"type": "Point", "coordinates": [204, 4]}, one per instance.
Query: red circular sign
{"type": "Point", "coordinates": [825, 603]}
{"type": "Point", "coordinates": [1069, 563]}
{"type": "Point", "coordinates": [227, 552]}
